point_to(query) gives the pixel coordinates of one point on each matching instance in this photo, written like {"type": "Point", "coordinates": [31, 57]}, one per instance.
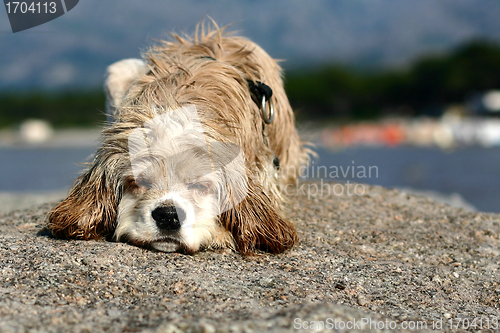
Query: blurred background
{"type": "Point", "coordinates": [410, 88]}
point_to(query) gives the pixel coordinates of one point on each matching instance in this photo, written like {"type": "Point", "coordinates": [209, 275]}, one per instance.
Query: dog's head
{"type": "Point", "coordinates": [179, 183]}
{"type": "Point", "coordinates": [185, 163]}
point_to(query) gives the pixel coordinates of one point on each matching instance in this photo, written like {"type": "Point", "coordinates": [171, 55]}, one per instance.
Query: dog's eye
{"type": "Point", "coordinates": [199, 186]}
{"type": "Point", "coordinates": [134, 186]}
{"type": "Point", "coordinates": [144, 183]}
{"type": "Point", "coordinates": [130, 184]}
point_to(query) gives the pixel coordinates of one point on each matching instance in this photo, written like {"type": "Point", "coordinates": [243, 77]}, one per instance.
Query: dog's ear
{"type": "Point", "coordinates": [119, 79]}
{"type": "Point", "coordinates": [89, 211]}
{"type": "Point", "coordinates": [256, 225]}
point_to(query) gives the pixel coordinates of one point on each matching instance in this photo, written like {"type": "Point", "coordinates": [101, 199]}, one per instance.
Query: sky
{"type": "Point", "coordinates": [73, 50]}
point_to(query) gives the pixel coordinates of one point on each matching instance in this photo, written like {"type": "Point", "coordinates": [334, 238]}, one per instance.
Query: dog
{"type": "Point", "coordinates": [200, 143]}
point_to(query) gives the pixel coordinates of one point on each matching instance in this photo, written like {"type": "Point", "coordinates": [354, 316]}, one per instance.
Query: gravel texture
{"type": "Point", "coordinates": [383, 258]}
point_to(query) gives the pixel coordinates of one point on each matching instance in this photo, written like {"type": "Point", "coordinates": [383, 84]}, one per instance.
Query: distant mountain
{"type": "Point", "coordinates": [74, 50]}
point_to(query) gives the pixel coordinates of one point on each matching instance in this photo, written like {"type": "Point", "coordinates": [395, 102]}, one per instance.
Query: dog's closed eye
{"type": "Point", "coordinates": [200, 187]}
{"type": "Point", "coordinates": [135, 186]}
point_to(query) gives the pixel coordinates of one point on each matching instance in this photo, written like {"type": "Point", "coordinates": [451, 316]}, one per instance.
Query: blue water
{"type": "Point", "coordinates": [40, 169]}
{"type": "Point", "coordinates": [474, 173]}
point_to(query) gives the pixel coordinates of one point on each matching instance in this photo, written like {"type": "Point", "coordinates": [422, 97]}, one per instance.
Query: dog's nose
{"type": "Point", "coordinates": [168, 218]}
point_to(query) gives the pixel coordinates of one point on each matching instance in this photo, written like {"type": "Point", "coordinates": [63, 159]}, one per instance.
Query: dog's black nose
{"type": "Point", "coordinates": [168, 218]}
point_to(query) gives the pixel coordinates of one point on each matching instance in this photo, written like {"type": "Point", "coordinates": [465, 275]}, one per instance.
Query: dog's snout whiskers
{"type": "Point", "coordinates": [169, 218]}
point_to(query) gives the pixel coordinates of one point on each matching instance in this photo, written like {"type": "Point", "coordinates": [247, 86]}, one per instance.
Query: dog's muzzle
{"type": "Point", "coordinates": [168, 218]}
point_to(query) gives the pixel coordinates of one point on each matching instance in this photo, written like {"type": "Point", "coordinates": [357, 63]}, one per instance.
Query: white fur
{"type": "Point", "coordinates": [119, 77]}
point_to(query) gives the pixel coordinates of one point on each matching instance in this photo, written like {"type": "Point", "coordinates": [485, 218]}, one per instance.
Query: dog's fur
{"type": "Point", "coordinates": [209, 71]}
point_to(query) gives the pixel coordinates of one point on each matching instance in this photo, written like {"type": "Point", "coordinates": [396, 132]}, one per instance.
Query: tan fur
{"type": "Point", "coordinates": [210, 71]}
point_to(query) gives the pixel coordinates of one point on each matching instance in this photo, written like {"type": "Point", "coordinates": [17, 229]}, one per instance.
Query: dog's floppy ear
{"type": "Point", "coordinates": [119, 78]}
{"type": "Point", "coordinates": [256, 225]}
{"type": "Point", "coordinates": [89, 211]}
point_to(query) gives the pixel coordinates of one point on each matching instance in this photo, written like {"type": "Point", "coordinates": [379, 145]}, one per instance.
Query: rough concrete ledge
{"type": "Point", "coordinates": [384, 256]}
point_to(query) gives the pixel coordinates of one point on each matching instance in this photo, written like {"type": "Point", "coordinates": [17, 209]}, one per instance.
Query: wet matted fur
{"type": "Point", "coordinates": [210, 71]}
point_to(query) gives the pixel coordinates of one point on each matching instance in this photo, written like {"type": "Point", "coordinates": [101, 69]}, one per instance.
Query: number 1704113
{"type": "Point", "coordinates": [31, 7]}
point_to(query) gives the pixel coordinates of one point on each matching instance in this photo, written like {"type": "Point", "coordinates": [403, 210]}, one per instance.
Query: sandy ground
{"type": "Point", "coordinates": [10, 201]}
{"type": "Point", "coordinates": [379, 261]}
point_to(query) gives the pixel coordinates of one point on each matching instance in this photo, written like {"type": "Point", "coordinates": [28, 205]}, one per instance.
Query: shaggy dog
{"type": "Point", "coordinates": [201, 141]}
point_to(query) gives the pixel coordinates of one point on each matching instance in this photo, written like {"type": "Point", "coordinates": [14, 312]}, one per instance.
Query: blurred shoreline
{"type": "Point", "coordinates": [62, 138]}
{"type": "Point", "coordinates": [450, 131]}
